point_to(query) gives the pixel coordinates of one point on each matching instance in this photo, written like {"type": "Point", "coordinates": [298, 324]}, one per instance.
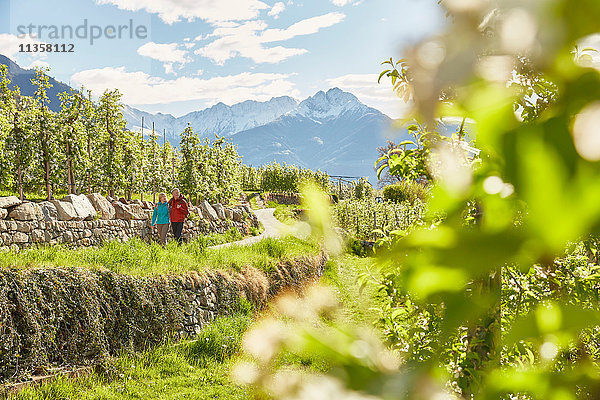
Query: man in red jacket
{"type": "Point", "coordinates": [179, 210]}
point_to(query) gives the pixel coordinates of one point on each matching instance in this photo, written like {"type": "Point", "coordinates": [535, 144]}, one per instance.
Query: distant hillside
{"type": "Point", "coordinates": [22, 78]}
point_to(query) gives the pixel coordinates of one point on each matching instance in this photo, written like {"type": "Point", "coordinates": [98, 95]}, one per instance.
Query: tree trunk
{"type": "Point", "coordinates": [47, 178]}
{"type": "Point", "coordinates": [69, 175]}
{"type": "Point", "coordinates": [89, 151]}
{"type": "Point", "coordinates": [20, 179]}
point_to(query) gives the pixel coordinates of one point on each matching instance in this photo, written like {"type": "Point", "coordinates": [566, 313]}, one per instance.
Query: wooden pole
{"type": "Point", "coordinates": [153, 164]}
{"type": "Point", "coordinates": [142, 164]}
{"type": "Point", "coordinates": [164, 150]}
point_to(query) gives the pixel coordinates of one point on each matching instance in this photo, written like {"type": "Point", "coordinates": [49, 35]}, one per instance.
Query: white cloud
{"type": "Point", "coordinates": [317, 140]}
{"type": "Point", "coordinates": [342, 3]}
{"type": "Point", "coordinates": [140, 88]}
{"type": "Point", "coordinates": [165, 52]}
{"type": "Point", "coordinates": [248, 39]}
{"type": "Point", "coordinates": [379, 96]}
{"type": "Point", "coordinates": [9, 44]}
{"type": "Point", "coordinates": [38, 64]}
{"type": "Point", "coordinates": [168, 53]}
{"type": "Point", "coordinates": [277, 9]}
{"type": "Point", "coordinates": [171, 11]}
{"type": "Point", "coordinates": [304, 27]}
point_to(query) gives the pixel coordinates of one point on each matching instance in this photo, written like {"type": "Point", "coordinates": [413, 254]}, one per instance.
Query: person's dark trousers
{"type": "Point", "coordinates": [177, 229]}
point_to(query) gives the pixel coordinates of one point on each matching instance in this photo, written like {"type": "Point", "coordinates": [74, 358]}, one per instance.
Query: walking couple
{"type": "Point", "coordinates": [174, 212]}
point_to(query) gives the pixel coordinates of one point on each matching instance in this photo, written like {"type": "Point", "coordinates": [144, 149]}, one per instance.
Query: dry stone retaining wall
{"type": "Point", "coordinates": [282, 198]}
{"type": "Point", "coordinates": [91, 220]}
{"type": "Point", "coordinates": [57, 316]}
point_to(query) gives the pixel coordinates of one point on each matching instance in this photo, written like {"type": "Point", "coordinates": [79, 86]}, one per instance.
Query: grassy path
{"type": "Point", "coordinates": [359, 306]}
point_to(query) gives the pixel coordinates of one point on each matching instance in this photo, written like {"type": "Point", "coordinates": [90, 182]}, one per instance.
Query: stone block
{"type": "Point", "coordinates": [20, 237]}
{"type": "Point", "coordinates": [208, 211]}
{"type": "Point", "coordinates": [102, 206]}
{"type": "Point", "coordinates": [9, 201]}
{"type": "Point", "coordinates": [26, 212]}
{"type": "Point", "coordinates": [83, 206]}
{"type": "Point", "coordinates": [49, 211]}
{"type": "Point", "coordinates": [66, 211]}
{"type": "Point", "coordinates": [237, 215]}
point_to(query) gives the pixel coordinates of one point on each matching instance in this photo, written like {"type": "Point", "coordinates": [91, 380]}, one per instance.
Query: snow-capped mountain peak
{"type": "Point", "coordinates": [330, 104]}
{"type": "Point", "coordinates": [228, 120]}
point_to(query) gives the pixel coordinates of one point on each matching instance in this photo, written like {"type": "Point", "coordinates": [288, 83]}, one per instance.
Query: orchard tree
{"type": "Point", "coordinates": [111, 127]}
{"type": "Point", "coordinates": [45, 127]}
{"type": "Point", "coordinates": [6, 107]}
{"type": "Point", "coordinates": [20, 145]}
{"type": "Point", "coordinates": [189, 172]}
{"type": "Point", "coordinates": [155, 162]}
{"type": "Point", "coordinates": [129, 152]}
{"type": "Point", "coordinates": [141, 173]}
{"type": "Point", "coordinates": [90, 124]}
{"type": "Point", "coordinates": [72, 138]}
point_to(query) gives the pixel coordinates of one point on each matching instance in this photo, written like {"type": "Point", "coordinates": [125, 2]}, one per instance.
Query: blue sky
{"type": "Point", "coordinates": [194, 54]}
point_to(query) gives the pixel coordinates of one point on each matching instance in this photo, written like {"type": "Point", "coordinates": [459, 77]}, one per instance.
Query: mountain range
{"type": "Point", "coordinates": [331, 131]}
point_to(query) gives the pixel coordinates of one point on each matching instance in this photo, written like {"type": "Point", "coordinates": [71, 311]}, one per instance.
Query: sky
{"type": "Point", "coordinates": [178, 56]}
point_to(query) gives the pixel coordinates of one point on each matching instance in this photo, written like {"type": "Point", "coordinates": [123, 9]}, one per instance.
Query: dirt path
{"type": "Point", "coordinates": [273, 228]}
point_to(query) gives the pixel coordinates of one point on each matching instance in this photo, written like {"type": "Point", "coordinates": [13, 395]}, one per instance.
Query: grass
{"type": "Point", "coordinates": [197, 369]}
{"type": "Point", "coordinates": [358, 304]}
{"type": "Point", "coordinates": [252, 196]}
{"type": "Point", "coordinates": [136, 257]}
{"type": "Point", "coordinates": [31, 195]}
{"type": "Point", "coordinates": [284, 212]}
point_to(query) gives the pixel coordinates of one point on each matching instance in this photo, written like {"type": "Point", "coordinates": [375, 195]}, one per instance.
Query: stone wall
{"type": "Point", "coordinates": [281, 198]}
{"type": "Point", "coordinates": [75, 316]}
{"type": "Point", "coordinates": [92, 220]}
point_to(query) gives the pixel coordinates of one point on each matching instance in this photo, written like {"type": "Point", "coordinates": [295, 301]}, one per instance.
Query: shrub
{"type": "Point", "coordinates": [405, 191]}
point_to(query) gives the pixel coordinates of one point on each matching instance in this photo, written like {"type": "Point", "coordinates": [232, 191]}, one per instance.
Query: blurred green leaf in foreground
{"type": "Point", "coordinates": [503, 304]}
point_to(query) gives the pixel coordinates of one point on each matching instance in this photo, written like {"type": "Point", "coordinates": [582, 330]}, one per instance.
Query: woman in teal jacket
{"type": "Point", "coordinates": [160, 217]}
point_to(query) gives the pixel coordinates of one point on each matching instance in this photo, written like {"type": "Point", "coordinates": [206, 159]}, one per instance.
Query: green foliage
{"type": "Point", "coordinates": [359, 248]}
{"type": "Point", "coordinates": [369, 219]}
{"type": "Point", "coordinates": [357, 189]}
{"type": "Point", "coordinates": [18, 141]}
{"type": "Point", "coordinates": [46, 130]}
{"type": "Point", "coordinates": [405, 191]}
{"type": "Point", "coordinates": [285, 178]}
{"type": "Point", "coordinates": [86, 148]}
{"type": "Point", "coordinates": [271, 247]}
{"type": "Point", "coordinates": [251, 178]}
{"type": "Point", "coordinates": [490, 307]}
{"type": "Point", "coordinates": [210, 171]}
{"type": "Point", "coordinates": [116, 150]}
{"type": "Point", "coordinates": [285, 213]}
{"type": "Point", "coordinates": [363, 189]}
{"type": "Point", "coordinates": [408, 161]}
